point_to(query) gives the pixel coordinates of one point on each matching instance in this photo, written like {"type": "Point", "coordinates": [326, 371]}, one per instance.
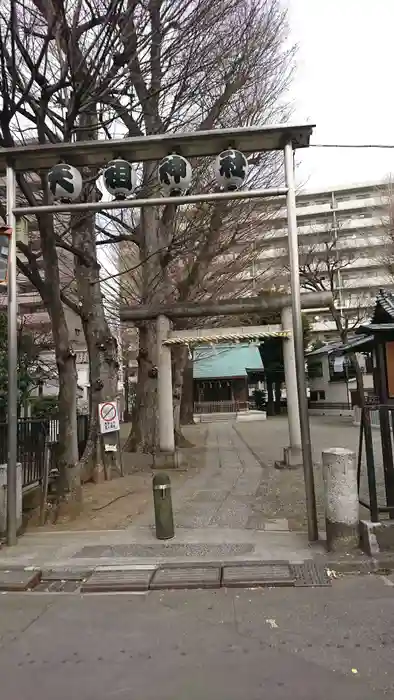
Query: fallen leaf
{"type": "Point", "coordinates": [272, 623]}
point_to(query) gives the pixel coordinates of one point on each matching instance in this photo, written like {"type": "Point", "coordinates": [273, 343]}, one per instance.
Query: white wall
{"type": "Point", "coordinates": [337, 392]}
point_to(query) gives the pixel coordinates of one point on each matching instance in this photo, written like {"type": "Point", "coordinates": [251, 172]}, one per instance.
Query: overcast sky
{"type": "Point", "coordinates": [344, 84]}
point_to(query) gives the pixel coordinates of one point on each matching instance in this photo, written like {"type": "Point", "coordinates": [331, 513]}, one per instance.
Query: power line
{"type": "Point", "coordinates": [352, 145]}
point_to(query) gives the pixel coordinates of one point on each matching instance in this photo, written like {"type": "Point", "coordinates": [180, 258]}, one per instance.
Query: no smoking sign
{"type": "Point", "coordinates": [108, 417]}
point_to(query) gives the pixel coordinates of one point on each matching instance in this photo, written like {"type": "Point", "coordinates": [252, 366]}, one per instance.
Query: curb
{"type": "Point", "coordinates": [187, 575]}
{"type": "Point", "coordinates": [361, 565]}
{"type": "Point", "coordinates": [175, 576]}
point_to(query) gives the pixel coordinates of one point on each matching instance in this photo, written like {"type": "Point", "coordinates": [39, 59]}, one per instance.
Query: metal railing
{"type": "Point", "coordinates": [340, 405]}
{"type": "Point", "coordinates": [374, 416]}
{"type": "Point", "coordinates": [384, 414]}
{"type": "Point", "coordinates": [220, 406]}
{"type": "Point", "coordinates": [31, 439]}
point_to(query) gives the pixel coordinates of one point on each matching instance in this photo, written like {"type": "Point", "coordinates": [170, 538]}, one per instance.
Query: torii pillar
{"type": "Point", "coordinates": [164, 387]}
{"type": "Point", "coordinates": [292, 456]}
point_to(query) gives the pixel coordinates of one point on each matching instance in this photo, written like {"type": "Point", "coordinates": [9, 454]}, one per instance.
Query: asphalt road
{"type": "Point", "coordinates": [194, 645]}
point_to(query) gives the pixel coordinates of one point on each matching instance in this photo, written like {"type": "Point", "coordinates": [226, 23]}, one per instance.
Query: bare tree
{"type": "Point", "coordinates": [95, 69]}
{"type": "Point", "coordinates": [53, 68]}
{"type": "Point", "coordinates": [321, 268]}
{"type": "Point", "coordinates": [321, 265]}
{"type": "Point", "coordinates": [193, 77]}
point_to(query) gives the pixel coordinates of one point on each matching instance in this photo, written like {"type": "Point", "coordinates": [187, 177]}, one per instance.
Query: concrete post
{"type": "Point", "coordinates": [162, 502]}
{"type": "Point", "coordinates": [164, 387]}
{"type": "Point", "coordinates": [3, 498]}
{"type": "Point", "coordinates": [293, 453]}
{"type": "Point", "coordinates": [341, 499]}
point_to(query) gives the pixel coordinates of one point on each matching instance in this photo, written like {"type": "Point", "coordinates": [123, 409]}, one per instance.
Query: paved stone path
{"type": "Point", "coordinates": [220, 514]}
{"type": "Point", "coordinates": [238, 505]}
{"type": "Point", "coordinates": [270, 437]}
{"type": "Point", "coordinates": [226, 493]}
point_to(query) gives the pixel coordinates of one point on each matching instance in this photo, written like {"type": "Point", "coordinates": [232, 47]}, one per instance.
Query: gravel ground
{"type": "Point", "coordinates": [236, 470]}
{"type": "Point", "coordinates": [283, 491]}
{"type": "Point", "coordinates": [116, 504]}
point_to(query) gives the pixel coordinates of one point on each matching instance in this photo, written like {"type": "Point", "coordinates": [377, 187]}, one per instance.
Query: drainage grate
{"type": "Point", "coordinates": [18, 579]}
{"type": "Point", "coordinates": [186, 577]}
{"type": "Point", "coordinates": [66, 574]}
{"type": "Point", "coordinates": [249, 575]}
{"type": "Point", "coordinates": [310, 574]}
{"type": "Point", "coordinates": [108, 581]}
{"type": "Point", "coordinates": [58, 586]}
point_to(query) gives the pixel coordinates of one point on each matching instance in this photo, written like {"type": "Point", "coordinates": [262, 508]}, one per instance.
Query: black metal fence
{"type": "Point", "coordinates": [380, 416]}
{"type": "Point", "coordinates": [32, 437]}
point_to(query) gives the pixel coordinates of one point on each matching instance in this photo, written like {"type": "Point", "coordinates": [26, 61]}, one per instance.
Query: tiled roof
{"type": "Point", "coordinates": [353, 344]}
{"type": "Point", "coordinates": [326, 349]}
{"type": "Point", "coordinates": [225, 360]}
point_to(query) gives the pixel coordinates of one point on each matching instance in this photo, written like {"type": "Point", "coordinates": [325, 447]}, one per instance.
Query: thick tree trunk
{"type": "Point", "coordinates": [156, 289]}
{"type": "Point", "coordinates": [270, 397]}
{"type": "Point", "coordinates": [187, 400]}
{"type": "Point", "coordinates": [126, 415]}
{"type": "Point", "coordinates": [144, 433]}
{"type": "Point", "coordinates": [101, 345]}
{"type": "Point", "coordinates": [70, 478]}
{"type": "Point", "coordinates": [67, 461]}
{"type": "Point", "coordinates": [180, 359]}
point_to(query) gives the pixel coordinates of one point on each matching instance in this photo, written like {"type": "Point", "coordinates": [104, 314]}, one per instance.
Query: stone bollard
{"type": "Point", "coordinates": [341, 499]}
{"type": "Point", "coordinates": [162, 502]}
{"type": "Point", "coordinates": [3, 498]}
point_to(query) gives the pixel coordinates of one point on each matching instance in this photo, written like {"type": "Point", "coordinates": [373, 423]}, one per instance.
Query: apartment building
{"type": "Point", "coordinates": [342, 231]}
{"type": "Point", "coordinates": [33, 314]}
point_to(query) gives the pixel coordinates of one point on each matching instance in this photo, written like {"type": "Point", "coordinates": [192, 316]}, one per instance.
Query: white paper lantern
{"type": "Point", "coordinates": [119, 178]}
{"type": "Point", "coordinates": [175, 174]}
{"type": "Point", "coordinates": [64, 182]}
{"type": "Point", "coordinates": [231, 169]}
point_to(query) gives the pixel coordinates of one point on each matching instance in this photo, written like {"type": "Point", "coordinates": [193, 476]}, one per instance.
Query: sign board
{"type": "Point", "coordinates": [108, 417]}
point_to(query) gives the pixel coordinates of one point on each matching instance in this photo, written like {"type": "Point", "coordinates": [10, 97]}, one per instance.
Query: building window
{"type": "Point", "coordinates": [314, 396]}
{"type": "Point", "coordinates": [322, 395]}
{"type": "Point", "coordinates": [341, 368]}
{"type": "Point", "coordinates": [315, 369]}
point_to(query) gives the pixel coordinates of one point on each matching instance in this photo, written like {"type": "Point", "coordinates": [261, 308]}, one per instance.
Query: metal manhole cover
{"type": "Point", "coordinates": [186, 577]}
{"type": "Point", "coordinates": [258, 575]}
{"type": "Point", "coordinates": [310, 574]}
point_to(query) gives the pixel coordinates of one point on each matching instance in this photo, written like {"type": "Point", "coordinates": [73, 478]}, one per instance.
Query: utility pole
{"type": "Point", "coordinates": [12, 364]}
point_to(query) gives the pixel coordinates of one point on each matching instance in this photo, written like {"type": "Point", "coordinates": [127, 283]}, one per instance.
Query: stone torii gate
{"type": "Point", "coordinates": [97, 152]}
{"type": "Point", "coordinates": [167, 338]}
